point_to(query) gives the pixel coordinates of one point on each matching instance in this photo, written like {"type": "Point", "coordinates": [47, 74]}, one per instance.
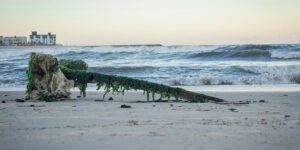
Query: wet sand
{"type": "Point", "coordinates": [89, 124]}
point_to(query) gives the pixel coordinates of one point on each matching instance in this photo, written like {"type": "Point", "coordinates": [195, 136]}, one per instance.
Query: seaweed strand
{"type": "Point", "coordinates": [118, 84]}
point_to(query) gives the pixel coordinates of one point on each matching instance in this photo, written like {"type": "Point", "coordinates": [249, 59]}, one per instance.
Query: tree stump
{"type": "Point", "coordinates": [45, 78]}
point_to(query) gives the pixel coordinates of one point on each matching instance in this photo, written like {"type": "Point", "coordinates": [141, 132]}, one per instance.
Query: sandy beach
{"type": "Point", "coordinates": [89, 124]}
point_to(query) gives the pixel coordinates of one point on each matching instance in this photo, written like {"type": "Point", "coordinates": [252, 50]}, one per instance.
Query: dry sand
{"type": "Point", "coordinates": [86, 124]}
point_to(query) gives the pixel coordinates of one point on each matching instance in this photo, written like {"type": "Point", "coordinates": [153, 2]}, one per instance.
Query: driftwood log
{"type": "Point", "coordinates": [76, 70]}
{"type": "Point", "coordinates": [46, 79]}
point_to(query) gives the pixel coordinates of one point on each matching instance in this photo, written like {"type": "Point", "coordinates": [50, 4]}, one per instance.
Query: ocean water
{"type": "Point", "coordinates": [171, 65]}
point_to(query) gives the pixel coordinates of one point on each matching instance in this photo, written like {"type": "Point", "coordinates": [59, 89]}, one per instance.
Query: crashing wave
{"type": "Point", "coordinates": [241, 55]}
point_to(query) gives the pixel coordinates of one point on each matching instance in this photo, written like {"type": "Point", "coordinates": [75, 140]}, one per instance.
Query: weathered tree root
{"type": "Point", "coordinates": [122, 84]}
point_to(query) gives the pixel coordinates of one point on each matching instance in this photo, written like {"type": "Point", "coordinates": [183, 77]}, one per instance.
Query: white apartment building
{"type": "Point", "coordinates": [13, 41]}
{"type": "Point", "coordinates": [42, 39]}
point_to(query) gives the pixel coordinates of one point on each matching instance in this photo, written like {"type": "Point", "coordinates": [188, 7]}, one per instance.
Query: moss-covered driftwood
{"type": "Point", "coordinates": [44, 76]}
{"type": "Point", "coordinates": [118, 84]}
{"type": "Point", "coordinates": [76, 65]}
{"type": "Point", "coordinates": [50, 80]}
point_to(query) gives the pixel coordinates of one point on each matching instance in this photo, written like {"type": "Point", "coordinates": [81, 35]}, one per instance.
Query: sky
{"type": "Point", "coordinates": [178, 22]}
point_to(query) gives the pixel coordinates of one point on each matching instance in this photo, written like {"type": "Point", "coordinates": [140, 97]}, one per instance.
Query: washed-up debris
{"type": "Point", "coordinates": [3, 101]}
{"type": "Point", "coordinates": [233, 109]}
{"type": "Point", "coordinates": [79, 96]}
{"type": "Point", "coordinates": [110, 99]}
{"type": "Point", "coordinates": [262, 101]}
{"type": "Point", "coordinates": [32, 105]}
{"type": "Point", "coordinates": [166, 101]}
{"type": "Point", "coordinates": [234, 103]}
{"type": "Point", "coordinates": [199, 109]}
{"type": "Point", "coordinates": [99, 100]}
{"type": "Point", "coordinates": [158, 101]}
{"type": "Point", "coordinates": [125, 106]}
{"type": "Point", "coordinates": [263, 121]}
{"type": "Point", "coordinates": [133, 122]}
{"type": "Point", "coordinates": [20, 100]}
{"type": "Point", "coordinates": [287, 116]}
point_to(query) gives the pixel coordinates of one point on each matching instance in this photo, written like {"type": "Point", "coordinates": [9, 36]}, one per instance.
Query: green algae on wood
{"type": "Point", "coordinates": [44, 75]}
{"type": "Point", "coordinates": [76, 65]}
{"type": "Point", "coordinates": [34, 68]}
{"type": "Point", "coordinates": [119, 84]}
{"type": "Point", "coordinates": [43, 67]}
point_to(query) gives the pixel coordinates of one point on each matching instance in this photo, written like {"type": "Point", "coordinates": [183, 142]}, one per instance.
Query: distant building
{"type": "Point", "coordinates": [13, 41]}
{"type": "Point", "coordinates": [42, 39]}
{"type": "Point", "coordinates": [34, 39]}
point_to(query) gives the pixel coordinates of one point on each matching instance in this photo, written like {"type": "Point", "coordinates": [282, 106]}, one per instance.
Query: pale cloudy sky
{"type": "Point", "coordinates": [97, 22]}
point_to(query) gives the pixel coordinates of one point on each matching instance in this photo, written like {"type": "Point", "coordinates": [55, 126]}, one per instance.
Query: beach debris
{"type": "Point", "coordinates": [171, 105]}
{"type": "Point", "coordinates": [285, 95]}
{"type": "Point", "coordinates": [153, 105]}
{"type": "Point", "coordinates": [262, 101]}
{"type": "Point", "coordinates": [118, 84]}
{"type": "Point", "coordinates": [166, 101]}
{"type": "Point", "coordinates": [56, 78]}
{"type": "Point", "coordinates": [245, 102]}
{"type": "Point", "coordinates": [263, 121]}
{"type": "Point", "coordinates": [199, 109]}
{"type": "Point", "coordinates": [233, 110]}
{"type": "Point", "coordinates": [133, 122]}
{"type": "Point", "coordinates": [3, 101]}
{"type": "Point", "coordinates": [233, 103]}
{"type": "Point", "coordinates": [110, 99]}
{"type": "Point", "coordinates": [5, 95]}
{"type": "Point", "coordinates": [98, 100]}
{"type": "Point", "coordinates": [78, 65]}
{"type": "Point", "coordinates": [125, 106]}
{"type": "Point", "coordinates": [44, 76]}
{"type": "Point", "coordinates": [287, 116]}
{"type": "Point", "coordinates": [47, 97]}
{"type": "Point", "coordinates": [31, 105]}
{"type": "Point", "coordinates": [78, 96]}
{"type": "Point", "coordinates": [20, 100]}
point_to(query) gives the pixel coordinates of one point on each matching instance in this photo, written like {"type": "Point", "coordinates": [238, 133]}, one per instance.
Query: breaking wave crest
{"type": "Point", "coordinates": [241, 55]}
